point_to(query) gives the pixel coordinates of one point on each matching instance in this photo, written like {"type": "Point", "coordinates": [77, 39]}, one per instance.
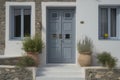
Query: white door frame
{"type": "Point", "coordinates": [44, 6]}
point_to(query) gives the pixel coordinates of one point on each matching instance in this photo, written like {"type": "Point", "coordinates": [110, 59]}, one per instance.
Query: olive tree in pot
{"type": "Point", "coordinates": [33, 47]}
{"type": "Point", "coordinates": [85, 48]}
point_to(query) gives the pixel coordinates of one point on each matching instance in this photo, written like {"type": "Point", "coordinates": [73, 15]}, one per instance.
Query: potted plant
{"type": "Point", "coordinates": [33, 47]}
{"type": "Point", "coordinates": [106, 59]}
{"type": "Point", "coordinates": [85, 48]}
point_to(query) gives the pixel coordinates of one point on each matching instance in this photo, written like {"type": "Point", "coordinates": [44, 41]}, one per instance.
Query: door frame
{"type": "Point", "coordinates": [73, 33]}
{"type": "Point", "coordinates": [45, 6]}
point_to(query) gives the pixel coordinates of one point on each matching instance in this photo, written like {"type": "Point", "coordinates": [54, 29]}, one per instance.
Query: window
{"type": "Point", "coordinates": [108, 22]}
{"type": "Point", "coordinates": [20, 22]}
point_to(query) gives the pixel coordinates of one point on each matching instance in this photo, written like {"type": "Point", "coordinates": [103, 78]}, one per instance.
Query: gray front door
{"type": "Point", "coordinates": [60, 36]}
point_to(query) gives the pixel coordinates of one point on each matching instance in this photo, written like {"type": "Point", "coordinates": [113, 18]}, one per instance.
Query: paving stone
{"type": "Point", "coordinates": [15, 74]}
{"type": "Point", "coordinates": [103, 74]}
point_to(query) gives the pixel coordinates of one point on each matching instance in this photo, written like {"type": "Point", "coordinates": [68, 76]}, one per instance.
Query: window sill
{"type": "Point", "coordinates": [114, 39]}
{"type": "Point", "coordinates": [17, 39]}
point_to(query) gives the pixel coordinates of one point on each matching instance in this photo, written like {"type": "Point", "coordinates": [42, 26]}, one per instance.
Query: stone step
{"type": "Point", "coordinates": [61, 69]}
{"type": "Point", "coordinates": [59, 78]}
{"type": "Point", "coordinates": [60, 72]}
{"type": "Point", "coordinates": [56, 70]}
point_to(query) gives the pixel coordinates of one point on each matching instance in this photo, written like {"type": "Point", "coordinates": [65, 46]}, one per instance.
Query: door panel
{"type": "Point", "coordinates": [67, 50]}
{"type": "Point", "coordinates": [54, 26]}
{"type": "Point", "coordinates": [68, 29]}
{"type": "Point", "coordinates": [67, 26]}
{"type": "Point", "coordinates": [53, 41]}
{"type": "Point", "coordinates": [60, 36]}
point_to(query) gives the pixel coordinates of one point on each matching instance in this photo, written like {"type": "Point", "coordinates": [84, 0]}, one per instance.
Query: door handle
{"type": "Point", "coordinates": [54, 36]}
{"type": "Point", "coordinates": [60, 36]}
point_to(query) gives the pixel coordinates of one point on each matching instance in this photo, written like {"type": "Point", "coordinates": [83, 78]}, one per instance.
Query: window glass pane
{"type": "Point", "coordinates": [113, 22]}
{"type": "Point", "coordinates": [27, 22]}
{"type": "Point", "coordinates": [17, 23]}
{"type": "Point", "coordinates": [103, 21]}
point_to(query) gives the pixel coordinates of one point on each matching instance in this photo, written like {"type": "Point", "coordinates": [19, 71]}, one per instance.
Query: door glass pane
{"type": "Point", "coordinates": [113, 22]}
{"type": "Point", "coordinates": [27, 22]}
{"type": "Point", "coordinates": [103, 21]}
{"type": "Point", "coordinates": [54, 15]}
{"type": "Point", "coordinates": [67, 36]}
{"type": "Point", "coordinates": [67, 15]}
{"type": "Point", "coordinates": [17, 23]}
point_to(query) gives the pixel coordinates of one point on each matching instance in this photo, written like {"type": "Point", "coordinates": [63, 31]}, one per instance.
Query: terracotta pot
{"type": "Point", "coordinates": [85, 59]}
{"type": "Point", "coordinates": [34, 56]}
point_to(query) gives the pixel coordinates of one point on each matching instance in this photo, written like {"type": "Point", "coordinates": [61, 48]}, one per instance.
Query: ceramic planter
{"type": "Point", "coordinates": [85, 59]}
{"type": "Point", "coordinates": [34, 56]}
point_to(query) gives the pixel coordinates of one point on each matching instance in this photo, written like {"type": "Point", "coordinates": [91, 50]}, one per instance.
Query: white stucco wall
{"type": "Point", "coordinates": [87, 11]}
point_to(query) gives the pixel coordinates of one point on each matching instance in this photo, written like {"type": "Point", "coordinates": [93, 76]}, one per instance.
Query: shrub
{"type": "Point", "coordinates": [112, 63]}
{"type": "Point", "coordinates": [85, 45]}
{"type": "Point", "coordinates": [26, 61]}
{"type": "Point", "coordinates": [107, 60]}
{"type": "Point", "coordinates": [28, 45]}
{"type": "Point", "coordinates": [38, 43]}
{"type": "Point", "coordinates": [34, 44]}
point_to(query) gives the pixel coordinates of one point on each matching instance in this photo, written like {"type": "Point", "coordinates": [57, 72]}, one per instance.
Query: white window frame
{"type": "Point", "coordinates": [22, 21]}
{"type": "Point", "coordinates": [109, 18]}
{"type": "Point", "coordinates": [8, 16]}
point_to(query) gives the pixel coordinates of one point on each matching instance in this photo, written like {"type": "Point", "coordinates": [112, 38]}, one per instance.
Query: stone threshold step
{"type": "Point", "coordinates": [60, 78]}
{"type": "Point", "coordinates": [59, 73]}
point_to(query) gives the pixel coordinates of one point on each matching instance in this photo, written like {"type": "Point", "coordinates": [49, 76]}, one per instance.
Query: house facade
{"type": "Point", "coordinates": [62, 23]}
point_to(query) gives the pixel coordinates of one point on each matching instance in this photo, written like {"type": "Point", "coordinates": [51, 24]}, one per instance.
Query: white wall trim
{"type": "Point", "coordinates": [44, 9]}
{"type": "Point", "coordinates": [14, 47]}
